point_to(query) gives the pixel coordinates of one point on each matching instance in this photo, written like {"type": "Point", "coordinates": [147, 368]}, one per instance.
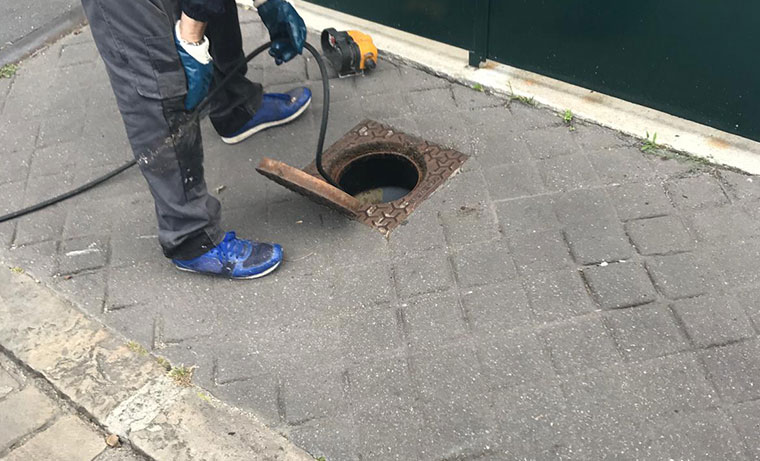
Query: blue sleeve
{"type": "Point", "coordinates": [201, 10]}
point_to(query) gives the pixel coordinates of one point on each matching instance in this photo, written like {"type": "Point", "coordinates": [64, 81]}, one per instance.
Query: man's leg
{"type": "Point", "coordinates": [242, 109]}
{"type": "Point", "coordinates": [135, 39]}
{"type": "Point", "coordinates": [241, 98]}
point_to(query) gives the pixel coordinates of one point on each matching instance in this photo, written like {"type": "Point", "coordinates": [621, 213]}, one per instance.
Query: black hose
{"type": "Point", "coordinates": [67, 195]}
{"type": "Point", "coordinates": [194, 115]}
{"type": "Point", "coordinates": [325, 114]}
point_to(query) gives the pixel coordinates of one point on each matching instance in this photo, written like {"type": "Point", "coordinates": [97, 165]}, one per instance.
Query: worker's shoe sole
{"type": "Point", "coordinates": [250, 277]}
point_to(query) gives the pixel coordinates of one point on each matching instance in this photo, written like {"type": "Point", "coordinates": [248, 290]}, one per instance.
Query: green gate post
{"type": "Point", "coordinates": [480, 33]}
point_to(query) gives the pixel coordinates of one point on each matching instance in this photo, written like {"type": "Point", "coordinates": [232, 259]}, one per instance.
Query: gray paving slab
{"type": "Point", "coordinates": [67, 438]}
{"type": "Point", "coordinates": [24, 413]}
{"type": "Point", "coordinates": [735, 370]}
{"type": "Point", "coordinates": [434, 321]}
{"type": "Point", "coordinates": [568, 172]}
{"type": "Point", "coordinates": [558, 295]}
{"type": "Point", "coordinates": [593, 138]}
{"type": "Point", "coordinates": [613, 407]}
{"type": "Point", "coordinates": [646, 332]}
{"type": "Point", "coordinates": [588, 207]}
{"type": "Point", "coordinates": [620, 285]}
{"type": "Point", "coordinates": [621, 166]}
{"type": "Point", "coordinates": [640, 200]}
{"type": "Point", "coordinates": [536, 420]}
{"type": "Point", "coordinates": [701, 435]}
{"type": "Point", "coordinates": [563, 296]}
{"type": "Point", "coordinates": [551, 142]}
{"type": "Point", "coordinates": [538, 252]}
{"type": "Point", "coordinates": [455, 403]}
{"type": "Point", "coordinates": [644, 389]}
{"type": "Point", "coordinates": [492, 310]}
{"type": "Point", "coordinates": [705, 328]}
{"type": "Point", "coordinates": [526, 216]}
{"type": "Point", "coordinates": [662, 235]}
{"type": "Point", "coordinates": [514, 181]}
{"type": "Point", "coordinates": [578, 344]}
{"type": "Point", "coordinates": [483, 264]}
{"type": "Point", "coordinates": [36, 423]}
{"type": "Point", "coordinates": [684, 275]}
{"type": "Point", "coordinates": [719, 225]}
{"type": "Point", "coordinates": [596, 244]}
{"type": "Point", "coordinates": [740, 186]}
{"type": "Point", "coordinates": [746, 418]}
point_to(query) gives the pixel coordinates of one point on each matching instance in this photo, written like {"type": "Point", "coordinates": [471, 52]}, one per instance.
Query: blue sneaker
{"type": "Point", "coordinates": [236, 258]}
{"type": "Point", "coordinates": [276, 109]}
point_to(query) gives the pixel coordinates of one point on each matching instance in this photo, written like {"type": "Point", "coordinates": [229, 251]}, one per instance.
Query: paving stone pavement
{"type": "Point", "coordinates": [564, 296]}
{"type": "Point", "coordinates": [35, 424]}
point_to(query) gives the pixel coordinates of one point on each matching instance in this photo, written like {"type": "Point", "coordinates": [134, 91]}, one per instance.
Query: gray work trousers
{"type": "Point", "coordinates": [135, 39]}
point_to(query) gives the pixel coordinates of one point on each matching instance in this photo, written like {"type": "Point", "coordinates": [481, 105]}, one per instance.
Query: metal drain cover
{"type": "Point", "coordinates": [312, 187]}
{"type": "Point", "coordinates": [434, 163]}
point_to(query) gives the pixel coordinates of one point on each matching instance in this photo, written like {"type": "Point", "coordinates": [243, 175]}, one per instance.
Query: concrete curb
{"type": "Point", "coordinates": [43, 36]}
{"type": "Point", "coordinates": [123, 390]}
{"type": "Point", "coordinates": [451, 63]}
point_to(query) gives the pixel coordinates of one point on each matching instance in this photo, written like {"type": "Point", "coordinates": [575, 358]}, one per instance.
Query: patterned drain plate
{"type": "Point", "coordinates": [434, 163]}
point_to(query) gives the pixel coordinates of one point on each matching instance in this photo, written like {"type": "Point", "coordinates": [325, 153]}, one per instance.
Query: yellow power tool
{"type": "Point", "coordinates": [350, 52]}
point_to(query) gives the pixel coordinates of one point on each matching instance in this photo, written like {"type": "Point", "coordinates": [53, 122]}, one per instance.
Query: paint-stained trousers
{"type": "Point", "coordinates": [135, 38]}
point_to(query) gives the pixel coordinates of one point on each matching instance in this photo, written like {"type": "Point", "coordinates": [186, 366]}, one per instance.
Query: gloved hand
{"type": "Point", "coordinates": [198, 68]}
{"type": "Point", "coordinates": [286, 29]}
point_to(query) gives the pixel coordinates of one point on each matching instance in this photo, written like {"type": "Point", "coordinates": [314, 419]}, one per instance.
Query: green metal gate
{"type": "Point", "coordinates": [697, 59]}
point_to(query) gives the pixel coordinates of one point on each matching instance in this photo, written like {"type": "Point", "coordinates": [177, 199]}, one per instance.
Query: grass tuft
{"type": "Point", "coordinates": [137, 348]}
{"type": "Point", "coordinates": [568, 116]}
{"type": "Point", "coordinates": [528, 101]}
{"type": "Point", "coordinates": [182, 375]}
{"type": "Point", "coordinates": [164, 363]}
{"type": "Point", "coordinates": [650, 145]}
{"type": "Point", "coordinates": [8, 70]}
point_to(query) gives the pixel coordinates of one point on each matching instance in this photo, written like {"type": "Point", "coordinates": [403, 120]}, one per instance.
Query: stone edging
{"type": "Point", "coordinates": [123, 390]}
{"type": "Point", "coordinates": [43, 36]}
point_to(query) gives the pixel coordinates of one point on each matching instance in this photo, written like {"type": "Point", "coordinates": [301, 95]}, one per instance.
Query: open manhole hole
{"type": "Point", "coordinates": [384, 174]}
{"type": "Point", "coordinates": [379, 177]}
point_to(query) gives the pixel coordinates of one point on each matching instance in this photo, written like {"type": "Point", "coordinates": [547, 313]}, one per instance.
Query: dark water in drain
{"type": "Point", "coordinates": [379, 177]}
{"type": "Point", "coordinates": [382, 194]}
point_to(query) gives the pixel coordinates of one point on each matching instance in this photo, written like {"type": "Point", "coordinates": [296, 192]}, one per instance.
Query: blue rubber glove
{"type": "Point", "coordinates": [286, 29]}
{"type": "Point", "coordinates": [199, 69]}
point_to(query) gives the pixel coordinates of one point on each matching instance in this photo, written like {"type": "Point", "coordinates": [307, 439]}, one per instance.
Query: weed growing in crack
{"type": "Point", "coordinates": [8, 70]}
{"type": "Point", "coordinates": [568, 118]}
{"type": "Point", "coordinates": [528, 101]}
{"type": "Point", "coordinates": [697, 164]}
{"type": "Point", "coordinates": [182, 375]}
{"type": "Point", "coordinates": [137, 348]}
{"type": "Point", "coordinates": [164, 363]}
{"type": "Point", "coordinates": [650, 144]}
{"type": "Point", "coordinates": [478, 87]}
